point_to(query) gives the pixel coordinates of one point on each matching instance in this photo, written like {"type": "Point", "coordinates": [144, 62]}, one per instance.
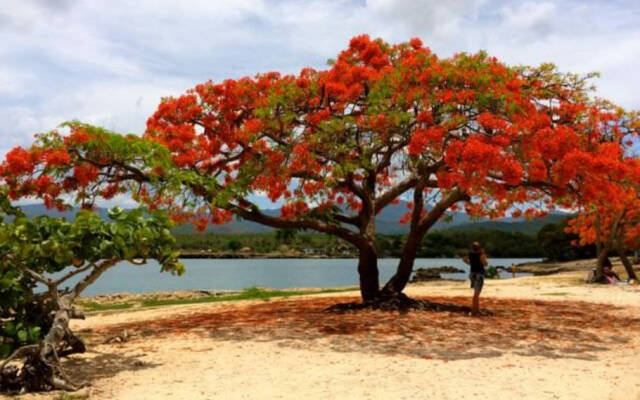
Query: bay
{"type": "Point", "coordinates": [234, 274]}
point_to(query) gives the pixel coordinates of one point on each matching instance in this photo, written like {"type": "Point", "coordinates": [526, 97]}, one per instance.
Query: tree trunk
{"type": "Point", "coordinates": [603, 248]}
{"type": "Point", "coordinates": [368, 271]}
{"type": "Point", "coordinates": [631, 274]}
{"type": "Point", "coordinates": [599, 273]}
{"type": "Point", "coordinates": [399, 280]}
{"type": "Point", "coordinates": [368, 257]}
{"type": "Point", "coordinates": [420, 225]}
{"type": "Point", "coordinates": [41, 370]}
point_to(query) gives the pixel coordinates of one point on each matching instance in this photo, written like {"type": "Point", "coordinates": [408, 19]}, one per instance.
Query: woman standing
{"type": "Point", "coordinates": [477, 260]}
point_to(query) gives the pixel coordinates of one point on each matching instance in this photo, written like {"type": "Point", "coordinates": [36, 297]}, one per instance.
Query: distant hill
{"type": "Point", "coordinates": [386, 222]}
{"type": "Point", "coordinates": [530, 227]}
{"type": "Point", "coordinates": [32, 210]}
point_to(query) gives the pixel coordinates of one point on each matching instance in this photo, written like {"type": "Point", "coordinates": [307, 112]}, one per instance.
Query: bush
{"type": "Point", "coordinates": [491, 272]}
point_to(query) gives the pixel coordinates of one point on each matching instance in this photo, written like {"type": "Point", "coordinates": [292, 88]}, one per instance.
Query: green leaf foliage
{"type": "Point", "coordinates": [54, 247]}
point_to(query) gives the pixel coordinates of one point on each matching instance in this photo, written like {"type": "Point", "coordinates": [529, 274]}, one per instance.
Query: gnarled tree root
{"type": "Point", "coordinates": [401, 302]}
{"type": "Point", "coordinates": [41, 370]}
{"type": "Point", "coordinates": [35, 375]}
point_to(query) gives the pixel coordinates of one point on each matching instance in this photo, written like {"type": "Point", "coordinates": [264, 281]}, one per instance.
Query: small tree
{"type": "Point", "coordinates": [611, 221]}
{"type": "Point", "coordinates": [50, 252]}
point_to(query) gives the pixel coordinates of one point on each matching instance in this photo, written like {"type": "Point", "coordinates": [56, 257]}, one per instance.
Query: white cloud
{"type": "Point", "coordinates": [441, 19]}
{"type": "Point", "coordinates": [119, 106]}
{"type": "Point", "coordinates": [530, 16]}
{"type": "Point", "coordinates": [14, 81]}
{"type": "Point", "coordinates": [20, 16]}
{"type": "Point", "coordinates": [110, 62]}
{"type": "Point", "coordinates": [115, 105]}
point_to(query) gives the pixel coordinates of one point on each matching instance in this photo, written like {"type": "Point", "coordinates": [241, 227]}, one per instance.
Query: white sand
{"type": "Point", "coordinates": [195, 366]}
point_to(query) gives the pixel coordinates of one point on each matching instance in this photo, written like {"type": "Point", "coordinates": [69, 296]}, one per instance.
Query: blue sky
{"type": "Point", "coordinates": [110, 62]}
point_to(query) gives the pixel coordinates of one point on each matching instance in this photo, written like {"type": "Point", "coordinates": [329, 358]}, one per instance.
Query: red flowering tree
{"type": "Point", "coordinates": [337, 146]}
{"type": "Point", "coordinates": [610, 218]}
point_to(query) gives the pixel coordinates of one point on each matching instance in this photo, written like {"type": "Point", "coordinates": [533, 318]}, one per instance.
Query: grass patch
{"type": "Point", "coordinates": [93, 306]}
{"type": "Point", "coordinates": [67, 396]}
{"type": "Point", "coordinates": [252, 293]}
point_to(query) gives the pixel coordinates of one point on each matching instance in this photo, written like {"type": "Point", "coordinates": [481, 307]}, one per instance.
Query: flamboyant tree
{"type": "Point", "coordinates": [610, 218]}
{"type": "Point", "coordinates": [337, 146]}
{"type": "Point", "coordinates": [64, 258]}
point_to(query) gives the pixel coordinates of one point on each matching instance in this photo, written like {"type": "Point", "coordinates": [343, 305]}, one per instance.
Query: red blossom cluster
{"type": "Point", "coordinates": [610, 214]}
{"type": "Point", "coordinates": [353, 134]}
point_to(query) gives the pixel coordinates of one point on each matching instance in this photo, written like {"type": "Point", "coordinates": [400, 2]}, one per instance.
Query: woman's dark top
{"type": "Point", "coordinates": [475, 261]}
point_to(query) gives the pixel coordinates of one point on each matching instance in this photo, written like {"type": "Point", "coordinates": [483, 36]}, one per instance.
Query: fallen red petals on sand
{"type": "Point", "coordinates": [546, 328]}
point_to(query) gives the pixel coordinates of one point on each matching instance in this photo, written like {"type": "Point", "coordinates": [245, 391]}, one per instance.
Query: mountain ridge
{"type": "Point", "coordinates": [387, 222]}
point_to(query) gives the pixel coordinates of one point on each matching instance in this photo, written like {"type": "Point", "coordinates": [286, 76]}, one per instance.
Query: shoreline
{"type": "Point", "coordinates": [205, 254]}
{"type": "Point", "coordinates": [139, 301]}
{"type": "Point", "coordinates": [191, 254]}
{"type": "Point", "coordinates": [535, 269]}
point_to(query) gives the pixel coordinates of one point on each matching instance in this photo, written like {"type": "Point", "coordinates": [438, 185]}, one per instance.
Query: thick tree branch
{"type": "Point", "coordinates": [383, 200]}
{"type": "Point", "coordinates": [440, 208]}
{"type": "Point", "coordinates": [357, 190]}
{"type": "Point", "coordinates": [346, 219]}
{"type": "Point", "coordinates": [256, 215]}
{"type": "Point", "coordinates": [95, 273]}
{"type": "Point", "coordinates": [36, 276]}
{"type": "Point", "coordinates": [70, 274]}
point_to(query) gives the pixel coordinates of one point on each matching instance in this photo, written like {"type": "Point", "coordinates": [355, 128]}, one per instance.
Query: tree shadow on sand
{"type": "Point", "coordinates": [93, 365]}
{"type": "Point", "coordinates": [551, 329]}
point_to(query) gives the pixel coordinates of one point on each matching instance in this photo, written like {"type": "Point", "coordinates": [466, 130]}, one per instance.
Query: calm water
{"type": "Point", "coordinates": [274, 273]}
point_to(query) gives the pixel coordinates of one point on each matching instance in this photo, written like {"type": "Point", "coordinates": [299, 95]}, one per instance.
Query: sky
{"type": "Point", "coordinates": [110, 62]}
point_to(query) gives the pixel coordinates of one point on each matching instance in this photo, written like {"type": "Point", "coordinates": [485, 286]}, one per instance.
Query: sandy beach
{"type": "Point", "coordinates": [551, 337]}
